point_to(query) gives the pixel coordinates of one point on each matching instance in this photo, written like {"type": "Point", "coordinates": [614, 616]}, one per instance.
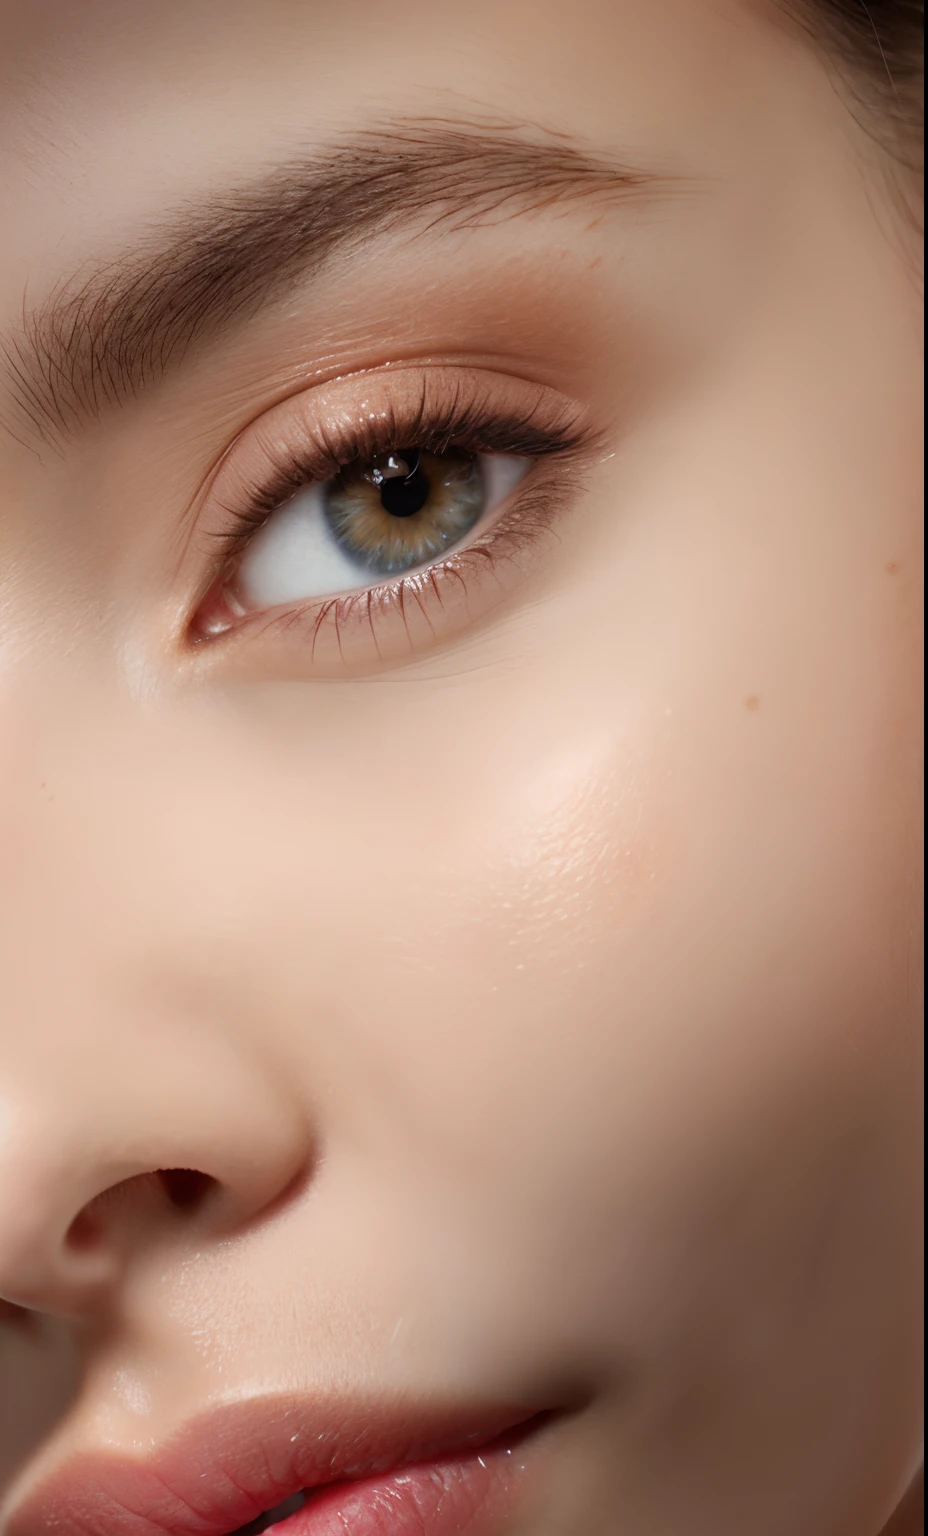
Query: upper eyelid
{"type": "Point", "coordinates": [411, 399]}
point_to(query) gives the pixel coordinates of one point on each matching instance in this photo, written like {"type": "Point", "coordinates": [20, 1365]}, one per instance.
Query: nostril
{"type": "Point", "coordinates": [186, 1188]}
{"type": "Point", "coordinates": [85, 1231]}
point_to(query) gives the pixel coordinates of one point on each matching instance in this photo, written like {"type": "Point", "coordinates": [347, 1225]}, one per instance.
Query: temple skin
{"type": "Point", "coordinates": [519, 981]}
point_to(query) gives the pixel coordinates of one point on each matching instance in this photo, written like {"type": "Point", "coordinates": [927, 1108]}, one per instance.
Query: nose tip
{"type": "Point", "coordinates": [87, 1177]}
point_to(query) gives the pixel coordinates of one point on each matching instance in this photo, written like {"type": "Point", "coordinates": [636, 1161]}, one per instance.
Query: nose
{"type": "Point", "coordinates": [140, 1098]}
{"type": "Point", "coordinates": [145, 1095]}
{"type": "Point", "coordinates": [102, 1152]}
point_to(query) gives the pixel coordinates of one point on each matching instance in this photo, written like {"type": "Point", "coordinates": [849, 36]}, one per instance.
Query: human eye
{"type": "Point", "coordinates": [363, 521]}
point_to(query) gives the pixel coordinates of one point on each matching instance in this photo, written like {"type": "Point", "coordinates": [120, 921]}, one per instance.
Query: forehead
{"type": "Point", "coordinates": [107, 111]}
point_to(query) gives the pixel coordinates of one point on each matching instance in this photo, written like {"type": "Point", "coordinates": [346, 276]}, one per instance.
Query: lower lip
{"type": "Point", "coordinates": [475, 1493]}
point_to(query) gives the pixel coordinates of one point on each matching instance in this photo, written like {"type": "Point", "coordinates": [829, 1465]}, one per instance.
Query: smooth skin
{"type": "Point", "coordinates": [541, 993]}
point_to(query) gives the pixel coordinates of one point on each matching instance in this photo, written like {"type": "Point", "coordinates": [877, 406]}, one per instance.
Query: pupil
{"type": "Point", "coordinates": [403, 498]}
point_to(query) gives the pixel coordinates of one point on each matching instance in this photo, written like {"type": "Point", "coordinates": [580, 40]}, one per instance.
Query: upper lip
{"type": "Point", "coordinates": [226, 1467]}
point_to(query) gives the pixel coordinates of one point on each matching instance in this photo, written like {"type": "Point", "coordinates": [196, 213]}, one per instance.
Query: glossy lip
{"type": "Point", "coordinates": [226, 1468]}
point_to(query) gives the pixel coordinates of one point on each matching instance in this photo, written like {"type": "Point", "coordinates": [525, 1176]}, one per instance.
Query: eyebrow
{"type": "Point", "coordinates": [105, 334]}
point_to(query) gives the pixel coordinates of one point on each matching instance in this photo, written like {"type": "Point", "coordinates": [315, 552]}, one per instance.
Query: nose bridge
{"type": "Point", "coordinates": [120, 1054]}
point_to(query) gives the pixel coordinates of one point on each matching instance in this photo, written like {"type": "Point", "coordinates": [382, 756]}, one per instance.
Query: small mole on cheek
{"type": "Point", "coordinates": [894, 567]}
{"type": "Point", "coordinates": [752, 703]}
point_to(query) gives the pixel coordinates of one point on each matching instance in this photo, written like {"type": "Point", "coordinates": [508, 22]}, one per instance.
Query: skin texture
{"type": "Point", "coordinates": [542, 996]}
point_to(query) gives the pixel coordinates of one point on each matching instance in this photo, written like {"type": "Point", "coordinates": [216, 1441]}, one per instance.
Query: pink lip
{"type": "Point", "coordinates": [397, 1469]}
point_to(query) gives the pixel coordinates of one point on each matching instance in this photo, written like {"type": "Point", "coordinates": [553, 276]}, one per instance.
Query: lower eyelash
{"type": "Point", "coordinates": [532, 518]}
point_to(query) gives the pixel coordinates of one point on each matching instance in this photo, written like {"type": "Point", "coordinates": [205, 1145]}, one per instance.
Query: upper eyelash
{"type": "Point", "coordinates": [475, 426]}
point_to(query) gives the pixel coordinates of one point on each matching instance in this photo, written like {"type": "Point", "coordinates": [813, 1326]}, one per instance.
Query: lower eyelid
{"type": "Point", "coordinates": [395, 623]}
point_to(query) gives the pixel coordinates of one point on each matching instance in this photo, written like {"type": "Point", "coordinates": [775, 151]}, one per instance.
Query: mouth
{"type": "Point", "coordinates": [438, 1497]}
{"type": "Point", "coordinates": [304, 1468]}
{"type": "Point", "coordinates": [274, 1516]}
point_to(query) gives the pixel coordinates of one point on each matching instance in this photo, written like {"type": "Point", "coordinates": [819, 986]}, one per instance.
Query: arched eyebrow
{"type": "Point", "coordinates": [105, 334]}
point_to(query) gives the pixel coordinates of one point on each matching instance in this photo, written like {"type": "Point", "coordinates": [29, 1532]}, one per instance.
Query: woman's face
{"type": "Point", "coordinates": [459, 929]}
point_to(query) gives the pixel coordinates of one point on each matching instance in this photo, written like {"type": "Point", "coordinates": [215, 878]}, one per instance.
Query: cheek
{"type": "Point", "coordinates": [503, 913]}
{"type": "Point", "coordinates": [615, 1010]}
